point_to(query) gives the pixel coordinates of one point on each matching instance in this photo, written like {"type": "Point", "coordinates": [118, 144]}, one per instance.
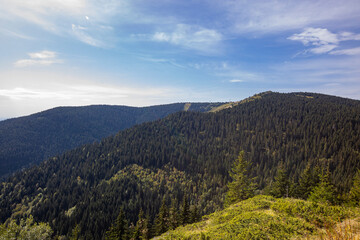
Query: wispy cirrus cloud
{"type": "Point", "coordinates": [322, 40]}
{"type": "Point", "coordinates": [191, 37]}
{"type": "Point", "coordinates": [89, 21]}
{"type": "Point", "coordinates": [350, 51]}
{"type": "Point", "coordinates": [273, 16]}
{"type": "Point", "coordinates": [43, 58]}
{"type": "Point", "coordinates": [82, 34]}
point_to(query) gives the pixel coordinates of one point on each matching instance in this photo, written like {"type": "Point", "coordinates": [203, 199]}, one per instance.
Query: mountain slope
{"type": "Point", "coordinates": [265, 217]}
{"type": "Point", "coordinates": [28, 140]}
{"type": "Point", "coordinates": [132, 170]}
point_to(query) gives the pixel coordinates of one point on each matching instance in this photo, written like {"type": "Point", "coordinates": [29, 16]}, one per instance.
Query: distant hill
{"type": "Point", "coordinates": [28, 140]}
{"type": "Point", "coordinates": [187, 155]}
{"type": "Point", "coordinates": [264, 217]}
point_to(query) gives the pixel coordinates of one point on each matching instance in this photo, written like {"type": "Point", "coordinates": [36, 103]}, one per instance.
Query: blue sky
{"type": "Point", "coordinates": [146, 52]}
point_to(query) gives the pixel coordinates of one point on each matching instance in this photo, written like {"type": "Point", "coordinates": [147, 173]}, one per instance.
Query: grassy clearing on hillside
{"type": "Point", "coordinates": [265, 217]}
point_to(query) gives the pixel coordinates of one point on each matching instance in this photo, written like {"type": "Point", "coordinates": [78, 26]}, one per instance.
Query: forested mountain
{"type": "Point", "coordinates": [31, 139]}
{"type": "Point", "coordinates": [187, 155]}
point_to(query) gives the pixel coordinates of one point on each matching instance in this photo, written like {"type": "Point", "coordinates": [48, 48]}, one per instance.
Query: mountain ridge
{"type": "Point", "coordinates": [51, 132]}
{"type": "Point", "coordinates": [287, 130]}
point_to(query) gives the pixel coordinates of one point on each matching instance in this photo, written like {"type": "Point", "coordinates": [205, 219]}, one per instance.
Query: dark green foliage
{"type": "Point", "coordinates": [354, 194]}
{"type": "Point", "coordinates": [119, 230]}
{"type": "Point", "coordinates": [324, 192]}
{"type": "Point", "coordinates": [185, 215]}
{"type": "Point", "coordinates": [174, 220]}
{"type": "Point", "coordinates": [75, 233]}
{"type": "Point", "coordinates": [186, 153]}
{"type": "Point", "coordinates": [142, 230]}
{"type": "Point", "coordinates": [309, 179]}
{"type": "Point", "coordinates": [241, 187]}
{"type": "Point", "coordinates": [161, 223]}
{"type": "Point", "coordinates": [281, 185]}
{"type": "Point", "coordinates": [194, 214]}
{"type": "Point", "coordinates": [28, 140]}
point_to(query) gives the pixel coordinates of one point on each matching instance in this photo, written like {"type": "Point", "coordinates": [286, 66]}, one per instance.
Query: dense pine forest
{"type": "Point", "coordinates": [28, 140]}
{"type": "Point", "coordinates": [178, 167]}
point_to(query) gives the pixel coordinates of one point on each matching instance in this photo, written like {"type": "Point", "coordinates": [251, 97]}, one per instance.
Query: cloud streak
{"type": "Point", "coordinates": [272, 16]}
{"type": "Point", "coordinates": [43, 58]}
{"type": "Point", "coordinates": [324, 41]}
{"type": "Point", "coordinates": [350, 51]}
{"type": "Point", "coordinates": [191, 37]}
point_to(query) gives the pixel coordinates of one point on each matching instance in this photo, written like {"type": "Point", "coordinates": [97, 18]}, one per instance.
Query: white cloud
{"type": "Point", "coordinates": [192, 37]}
{"type": "Point", "coordinates": [80, 33]}
{"type": "Point", "coordinates": [86, 20]}
{"type": "Point", "coordinates": [43, 55]}
{"type": "Point", "coordinates": [324, 40]}
{"type": "Point", "coordinates": [15, 34]}
{"type": "Point", "coordinates": [24, 91]}
{"type": "Point", "coordinates": [350, 51]}
{"type": "Point", "coordinates": [91, 93]}
{"type": "Point", "coordinates": [236, 80]}
{"type": "Point", "coordinates": [348, 36]}
{"type": "Point", "coordinates": [43, 58]}
{"type": "Point", "coordinates": [315, 36]}
{"type": "Point", "coordinates": [269, 16]}
{"type": "Point", "coordinates": [323, 49]}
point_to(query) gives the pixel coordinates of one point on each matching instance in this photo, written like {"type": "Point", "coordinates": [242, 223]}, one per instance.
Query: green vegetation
{"type": "Point", "coordinates": [354, 194]}
{"type": "Point", "coordinates": [29, 140]}
{"type": "Point", "coordinates": [188, 155]}
{"type": "Point", "coordinates": [26, 229]}
{"type": "Point", "coordinates": [241, 187]}
{"type": "Point", "coordinates": [281, 185]}
{"type": "Point", "coordinates": [324, 192]}
{"type": "Point", "coordinates": [265, 217]}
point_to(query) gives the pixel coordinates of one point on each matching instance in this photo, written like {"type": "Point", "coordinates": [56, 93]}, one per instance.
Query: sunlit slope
{"type": "Point", "coordinates": [265, 217]}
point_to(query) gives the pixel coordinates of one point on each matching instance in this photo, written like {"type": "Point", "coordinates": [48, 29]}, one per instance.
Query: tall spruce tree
{"type": "Point", "coordinates": [185, 211]}
{"type": "Point", "coordinates": [354, 193]}
{"type": "Point", "coordinates": [281, 185]}
{"type": "Point", "coordinates": [195, 216]}
{"type": "Point", "coordinates": [324, 192]}
{"type": "Point", "coordinates": [162, 219]}
{"type": "Point", "coordinates": [174, 221]}
{"type": "Point", "coordinates": [119, 230]}
{"type": "Point", "coordinates": [309, 179]}
{"type": "Point", "coordinates": [141, 231]}
{"type": "Point", "coordinates": [241, 187]}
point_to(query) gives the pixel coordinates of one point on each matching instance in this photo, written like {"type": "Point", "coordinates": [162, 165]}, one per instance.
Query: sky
{"type": "Point", "coordinates": [149, 52]}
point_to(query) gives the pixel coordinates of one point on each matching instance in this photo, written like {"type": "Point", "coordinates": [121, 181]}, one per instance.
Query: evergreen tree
{"type": "Point", "coordinates": [241, 187]}
{"type": "Point", "coordinates": [354, 193]}
{"type": "Point", "coordinates": [75, 233]}
{"type": "Point", "coordinates": [161, 221]}
{"type": "Point", "coordinates": [173, 215]}
{"type": "Point", "coordinates": [195, 216]}
{"type": "Point", "coordinates": [281, 185]}
{"type": "Point", "coordinates": [185, 211]}
{"type": "Point", "coordinates": [140, 230]}
{"type": "Point", "coordinates": [146, 234]}
{"type": "Point", "coordinates": [309, 179]}
{"type": "Point", "coordinates": [324, 192]}
{"type": "Point", "coordinates": [119, 230]}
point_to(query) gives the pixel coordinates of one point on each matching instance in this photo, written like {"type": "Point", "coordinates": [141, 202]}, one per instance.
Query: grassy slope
{"type": "Point", "coordinates": [265, 217]}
